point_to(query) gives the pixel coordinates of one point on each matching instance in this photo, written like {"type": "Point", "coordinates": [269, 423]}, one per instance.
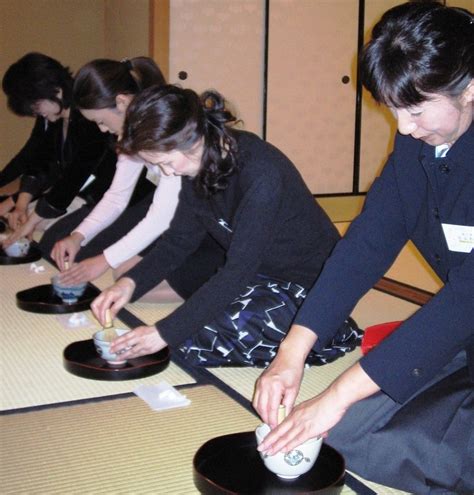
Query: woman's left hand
{"type": "Point", "coordinates": [85, 271]}
{"type": "Point", "coordinates": [139, 342]}
{"type": "Point", "coordinates": [25, 230]}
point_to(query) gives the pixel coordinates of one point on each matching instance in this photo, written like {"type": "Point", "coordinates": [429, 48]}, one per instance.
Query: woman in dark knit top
{"type": "Point", "coordinates": [252, 201]}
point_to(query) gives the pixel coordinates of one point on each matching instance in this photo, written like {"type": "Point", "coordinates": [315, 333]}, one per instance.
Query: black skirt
{"type": "Point", "coordinates": [424, 446]}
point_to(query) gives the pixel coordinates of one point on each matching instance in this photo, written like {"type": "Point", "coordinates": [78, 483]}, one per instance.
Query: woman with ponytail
{"type": "Point", "coordinates": [114, 233]}
{"type": "Point", "coordinates": [247, 196]}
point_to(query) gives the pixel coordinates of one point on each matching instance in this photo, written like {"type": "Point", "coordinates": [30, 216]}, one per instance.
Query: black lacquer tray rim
{"type": "Point", "coordinates": [34, 254]}
{"type": "Point", "coordinates": [210, 486]}
{"type": "Point", "coordinates": [56, 306]}
{"type": "Point", "coordinates": [136, 368]}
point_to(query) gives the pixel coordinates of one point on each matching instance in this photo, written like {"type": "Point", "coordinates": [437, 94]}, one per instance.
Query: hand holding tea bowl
{"type": "Point", "coordinates": [18, 248]}
{"type": "Point", "coordinates": [290, 465]}
{"type": "Point", "coordinates": [140, 341]}
{"type": "Point", "coordinates": [103, 340]}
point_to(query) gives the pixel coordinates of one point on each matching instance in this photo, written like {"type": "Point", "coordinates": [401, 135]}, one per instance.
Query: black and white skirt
{"type": "Point", "coordinates": [251, 328]}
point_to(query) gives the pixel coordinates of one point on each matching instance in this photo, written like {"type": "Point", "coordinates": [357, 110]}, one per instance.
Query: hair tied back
{"type": "Point", "coordinates": [127, 63]}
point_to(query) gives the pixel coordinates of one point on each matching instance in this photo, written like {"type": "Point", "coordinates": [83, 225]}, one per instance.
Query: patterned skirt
{"type": "Point", "coordinates": [249, 331]}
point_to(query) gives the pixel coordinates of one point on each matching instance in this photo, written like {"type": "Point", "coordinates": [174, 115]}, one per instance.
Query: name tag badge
{"type": "Point", "coordinates": [460, 238]}
{"type": "Point", "coordinates": [153, 175]}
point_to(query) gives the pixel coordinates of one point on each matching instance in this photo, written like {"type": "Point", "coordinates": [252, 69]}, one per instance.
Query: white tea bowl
{"type": "Point", "coordinates": [19, 248]}
{"type": "Point", "coordinates": [102, 346]}
{"type": "Point", "coordinates": [292, 464]}
{"type": "Point", "coordinates": [69, 294]}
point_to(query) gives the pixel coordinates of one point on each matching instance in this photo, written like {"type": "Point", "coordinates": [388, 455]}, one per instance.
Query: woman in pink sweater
{"type": "Point", "coordinates": [113, 235]}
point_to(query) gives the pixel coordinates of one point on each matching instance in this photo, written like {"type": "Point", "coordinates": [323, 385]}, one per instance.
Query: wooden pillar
{"type": "Point", "coordinates": [160, 34]}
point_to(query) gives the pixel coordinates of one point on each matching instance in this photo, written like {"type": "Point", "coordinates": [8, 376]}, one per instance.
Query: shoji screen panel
{"type": "Point", "coordinates": [220, 44]}
{"type": "Point", "coordinates": [310, 111]}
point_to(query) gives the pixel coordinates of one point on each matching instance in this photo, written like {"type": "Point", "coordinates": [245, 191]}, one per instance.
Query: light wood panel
{"type": "Point", "coordinates": [311, 112]}
{"type": "Point", "coordinates": [219, 44]}
{"type": "Point", "coordinates": [159, 31]}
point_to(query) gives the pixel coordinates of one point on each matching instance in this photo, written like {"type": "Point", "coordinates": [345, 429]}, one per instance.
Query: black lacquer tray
{"type": "Point", "coordinates": [81, 359]}
{"type": "Point", "coordinates": [42, 299]}
{"type": "Point", "coordinates": [232, 464]}
{"type": "Point", "coordinates": [34, 254]}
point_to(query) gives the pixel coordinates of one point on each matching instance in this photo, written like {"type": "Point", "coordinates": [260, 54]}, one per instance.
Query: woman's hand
{"type": "Point", "coordinates": [20, 213]}
{"type": "Point", "coordinates": [280, 383]}
{"type": "Point", "coordinates": [310, 419]}
{"type": "Point", "coordinates": [66, 250]}
{"type": "Point", "coordinates": [139, 342]}
{"type": "Point", "coordinates": [6, 206]}
{"type": "Point", "coordinates": [85, 271]}
{"type": "Point", "coordinates": [315, 417]}
{"type": "Point", "coordinates": [17, 217]}
{"type": "Point", "coordinates": [25, 230]}
{"type": "Point", "coordinates": [113, 298]}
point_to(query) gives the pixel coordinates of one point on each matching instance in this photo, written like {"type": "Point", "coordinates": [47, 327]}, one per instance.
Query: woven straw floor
{"type": "Point", "coordinates": [115, 446]}
{"type": "Point", "coordinates": [32, 372]}
{"type": "Point", "coordinates": [152, 458]}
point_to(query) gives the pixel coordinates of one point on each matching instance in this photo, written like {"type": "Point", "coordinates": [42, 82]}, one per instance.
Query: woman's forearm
{"type": "Point", "coordinates": [352, 386]}
{"type": "Point", "coordinates": [298, 343]}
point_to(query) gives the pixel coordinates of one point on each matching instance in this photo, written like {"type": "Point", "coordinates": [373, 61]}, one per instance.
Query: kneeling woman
{"type": "Point", "coordinates": [251, 200]}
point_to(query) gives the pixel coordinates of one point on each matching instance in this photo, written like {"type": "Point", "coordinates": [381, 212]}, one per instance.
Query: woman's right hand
{"type": "Point", "coordinates": [85, 271]}
{"type": "Point", "coordinates": [66, 250]}
{"type": "Point", "coordinates": [113, 298]}
{"type": "Point", "coordinates": [280, 383]}
{"type": "Point", "coordinates": [17, 217]}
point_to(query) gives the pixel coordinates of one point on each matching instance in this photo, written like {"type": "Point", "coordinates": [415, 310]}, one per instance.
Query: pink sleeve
{"type": "Point", "coordinates": [156, 221]}
{"type": "Point", "coordinates": [115, 199]}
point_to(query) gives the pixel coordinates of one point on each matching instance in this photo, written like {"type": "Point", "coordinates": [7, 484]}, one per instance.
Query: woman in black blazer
{"type": "Point", "coordinates": [404, 414]}
{"type": "Point", "coordinates": [66, 155]}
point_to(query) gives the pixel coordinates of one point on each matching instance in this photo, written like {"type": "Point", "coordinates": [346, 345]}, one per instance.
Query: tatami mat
{"type": "Point", "coordinates": [38, 340]}
{"type": "Point", "coordinates": [32, 346]}
{"type": "Point", "coordinates": [115, 447]}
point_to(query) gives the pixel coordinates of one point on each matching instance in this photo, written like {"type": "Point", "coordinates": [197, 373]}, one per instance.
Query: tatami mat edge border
{"type": "Point", "coordinates": [202, 377]}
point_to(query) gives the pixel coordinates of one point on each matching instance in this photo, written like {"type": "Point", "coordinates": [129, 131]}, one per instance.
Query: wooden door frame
{"type": "Point", "coordinates": [159, 38]}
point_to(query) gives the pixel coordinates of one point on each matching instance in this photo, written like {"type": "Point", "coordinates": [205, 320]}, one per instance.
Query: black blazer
{"type": "Point", "coordinates": [36, 153]}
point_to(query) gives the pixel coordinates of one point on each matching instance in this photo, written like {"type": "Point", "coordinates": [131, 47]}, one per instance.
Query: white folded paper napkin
{"type": "Point", "coordinates": [37, 268]}
{"type": "Point", "coordinates": [161, 396]}
{"type": "Point", "coordinates": [76, 320]}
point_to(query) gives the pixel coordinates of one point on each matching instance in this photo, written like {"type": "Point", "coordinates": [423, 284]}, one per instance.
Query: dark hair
{"type": "Point", "coordinates": [99, 82]}
{"type": "Point", "coordinates": [36, 77]}
{"type": "Point", "coordinates": [170, 118]}
{"type": "Point", "coordinates": [417, 49]}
